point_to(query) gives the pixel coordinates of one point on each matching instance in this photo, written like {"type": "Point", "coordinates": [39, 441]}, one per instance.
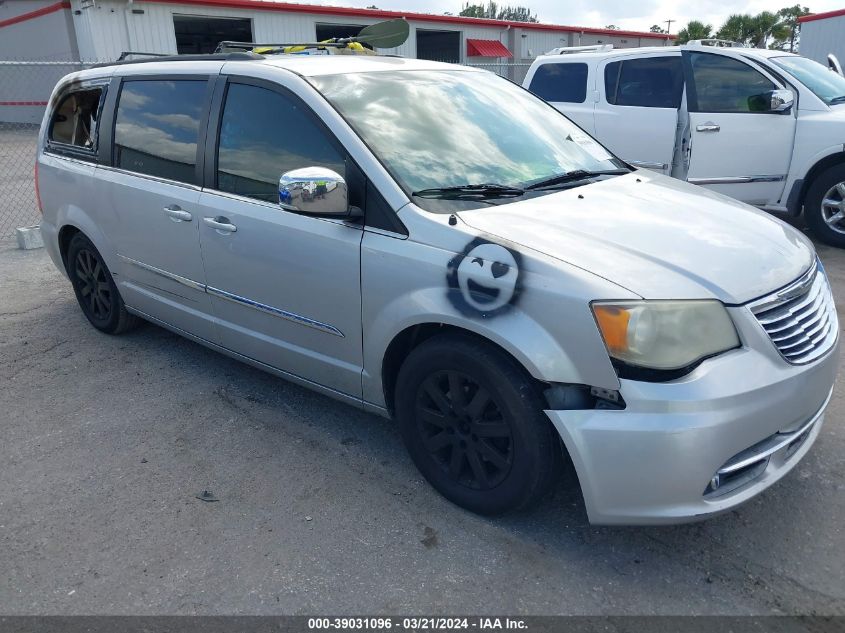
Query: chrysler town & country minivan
{"type": "Point", "coordinates": [435, 244]}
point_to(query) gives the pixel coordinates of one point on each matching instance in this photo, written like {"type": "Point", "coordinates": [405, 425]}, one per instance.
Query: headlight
{"type": "Point", "coordinates": [665, 335]}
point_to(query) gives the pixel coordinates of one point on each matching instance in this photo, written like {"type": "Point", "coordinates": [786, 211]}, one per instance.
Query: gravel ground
{"type": "Point", "coordinates": [107, 440]}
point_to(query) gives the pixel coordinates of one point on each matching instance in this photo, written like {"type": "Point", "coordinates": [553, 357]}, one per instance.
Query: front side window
{"type": "Point", "coordinates": [264, 134]}
{"type": "Point", "coordinates": [445, 128]}
{"type": "Point", "coordinates": [74, 121]}
{"type": "Point", "coordinates": [157, 128]}
{"type": "Point", "coordinates": [565, 83]}
{"type": "Point", "coordinates": [825, 84]}
{"type": "Point", "coordinates": [724, 84]}
{"type": "Point", "coordinates": [649, 82]}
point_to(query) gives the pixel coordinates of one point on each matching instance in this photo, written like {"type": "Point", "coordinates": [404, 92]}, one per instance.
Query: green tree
{"type": "Point", "coordinates": [791, 28]}
{"type": "Point", "coordinates": [612, 27]}
{"type": "Point", "coordinates": [694, 30]}
{"type": "Point", "coordinates": [754, 31]}
{"type": "Point", "coordinates": [656, 28]}
{"type": "Point", "coordinates": [494, 12]}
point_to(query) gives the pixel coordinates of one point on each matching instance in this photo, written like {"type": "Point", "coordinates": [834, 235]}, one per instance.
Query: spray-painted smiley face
{"type": "Point", "coordinates": [484, 278]}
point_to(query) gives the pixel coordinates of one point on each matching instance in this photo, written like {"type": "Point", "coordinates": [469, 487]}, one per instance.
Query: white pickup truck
{"type": "Point", "coordinates": [762, 126]}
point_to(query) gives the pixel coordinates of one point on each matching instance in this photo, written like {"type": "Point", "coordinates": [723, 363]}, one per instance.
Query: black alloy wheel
{"type": "Point", "coordinates": [464, 430]}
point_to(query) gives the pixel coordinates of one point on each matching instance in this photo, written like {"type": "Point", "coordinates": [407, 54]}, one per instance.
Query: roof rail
{"type": "Point", "coordinates": [161, 57]}
{"type": "Point", "coordinates": [715, 43]}
{"type": "Point", "coordinates": [126, 54]}
{"type": "Point", "coordinates": [593, 48]}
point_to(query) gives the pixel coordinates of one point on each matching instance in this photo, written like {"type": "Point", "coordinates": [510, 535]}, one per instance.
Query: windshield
{"type": "Point", "coordinates": [825, 84]}
{"type": "Point", "coordinates": [437, 129]}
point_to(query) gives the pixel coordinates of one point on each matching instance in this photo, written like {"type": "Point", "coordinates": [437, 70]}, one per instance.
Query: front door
{"type": "Point", "coordinates": [637, 113]}
{"type": "Point", "coordinates": [285, 287]}
{"type": "Point", "coordinates": [153, 192]}
{"type": "Point", "coordinates": [737, 147]}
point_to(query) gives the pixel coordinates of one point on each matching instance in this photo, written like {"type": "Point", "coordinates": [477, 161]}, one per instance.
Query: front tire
{"type": "Point", "coordinates": [473, 422]}
{"type": "Point", "coordinates": [824, 206]}
{"type": "Point", "coordinates": [95, 289]}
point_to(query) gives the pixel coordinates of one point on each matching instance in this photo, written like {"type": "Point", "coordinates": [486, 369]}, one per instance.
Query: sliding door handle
{"type": "Point", "coordinates": [709, 127]}
{"type": "Point", "coordinates": [177, 214]}
{"type": "Point", "coordinates": [220, 224]}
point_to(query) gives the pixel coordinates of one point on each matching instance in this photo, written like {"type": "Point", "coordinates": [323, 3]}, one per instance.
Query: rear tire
{"type": "Point", "coordinates": [824, 206]}
{"type": "Point", "coordinates": [473, 422]}
{"type": "Point", "coordinates": [95, 289]}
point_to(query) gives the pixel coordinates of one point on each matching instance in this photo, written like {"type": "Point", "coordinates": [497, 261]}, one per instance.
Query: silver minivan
{"type": "Point", "coordinates": [435, 244]}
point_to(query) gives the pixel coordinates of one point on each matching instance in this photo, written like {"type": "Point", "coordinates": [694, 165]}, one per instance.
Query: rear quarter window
{"type": "Point", "coordinates": [565, 83]}
{"type": "Point", "coordinates": [75, 119]}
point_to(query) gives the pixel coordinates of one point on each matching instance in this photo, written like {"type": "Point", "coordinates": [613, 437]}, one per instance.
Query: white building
{"type": "Point", "coordinates": [823, 34]}
{"type": "Point", "coordinates": [100, 30]}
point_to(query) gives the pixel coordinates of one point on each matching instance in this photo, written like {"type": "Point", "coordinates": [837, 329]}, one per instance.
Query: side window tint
{"type": "Point", "coordinates": [264, 134]}
{"type": "Point", "coordinates": [723, 84]}
{"type": "Point", "coordinates": [157, 127]}
{"type": "Point", "coordinates": [650, 82]}
{"type": "Point", "coordinates": [74, 121]}
{"type": "Point", "coordinates": [560, 82]}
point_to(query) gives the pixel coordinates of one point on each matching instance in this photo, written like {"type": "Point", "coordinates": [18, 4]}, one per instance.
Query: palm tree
{"type": "Point", "coordinates": [695, 30]}
{"type": "Point", "coordinates": [791, 27]}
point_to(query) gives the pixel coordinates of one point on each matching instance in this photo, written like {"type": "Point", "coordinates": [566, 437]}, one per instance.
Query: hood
{"type": "Point", "coordinates": [657, 237]}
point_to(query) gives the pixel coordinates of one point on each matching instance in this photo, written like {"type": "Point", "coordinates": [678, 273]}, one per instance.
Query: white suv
{"type": "Point", "coordinates": [434, 243]}
{"type": "Point", "coordinates": [762, 126]}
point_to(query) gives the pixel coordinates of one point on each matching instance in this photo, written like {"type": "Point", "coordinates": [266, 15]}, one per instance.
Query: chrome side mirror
{"type": "Point", "coordinates": [314, 191]}
{"type": "Point", "coordinates": [782, 100]}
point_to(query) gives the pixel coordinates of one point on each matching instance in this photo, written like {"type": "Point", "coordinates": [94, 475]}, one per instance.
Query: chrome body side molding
{"type": "Point", "coordinates": [217, 292]}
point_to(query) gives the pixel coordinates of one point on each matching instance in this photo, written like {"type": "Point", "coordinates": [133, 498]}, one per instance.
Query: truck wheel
{"type": "Point", "coordinates": [824, 206]}
{"type": "Point", "coordinates": [95, 289]}
{"type": "Point", "coordinates": [474, 425]}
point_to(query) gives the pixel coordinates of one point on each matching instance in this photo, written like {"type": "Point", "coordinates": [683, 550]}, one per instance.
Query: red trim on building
{"type": "Point", "coordinates": [260, 5]}
{"type": "Point", "coordinates": [822, 16]}
{"type": "Point", "coordinates": [487, 48]}
{"type": "Point", "coordinates": [23, 103]}
{"type": "Point", "coordinates": [23, 17]}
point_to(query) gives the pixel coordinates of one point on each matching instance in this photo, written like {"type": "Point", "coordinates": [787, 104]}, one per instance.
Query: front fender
{"type": "Point", "coordinates": [547, 327]}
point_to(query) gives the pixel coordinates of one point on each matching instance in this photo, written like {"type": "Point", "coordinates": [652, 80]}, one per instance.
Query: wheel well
{"type": "Point", "coordinates": [815, 170]}
{"type": "Point", "coordinates": [65, 236]}
{"type": "Point", "coordinates": [409, 338]}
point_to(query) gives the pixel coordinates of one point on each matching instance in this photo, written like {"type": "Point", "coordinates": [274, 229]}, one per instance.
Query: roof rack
{"type": "Point", "coordinates": [126, 54]}
{"type": "Point", "coordinates": [715, 43]}
{"type": "Point", "coordinates": [162, 57]}
{"type": "Point", "coordinates": [592, 48]}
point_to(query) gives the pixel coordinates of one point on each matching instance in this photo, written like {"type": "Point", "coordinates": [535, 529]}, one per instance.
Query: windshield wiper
{"type": "Point", "coordinates": [573, 176]}
{"type": "Point", "coordinates": [471, 192]}
{"type": "Point", "coordinates": [839, 99]}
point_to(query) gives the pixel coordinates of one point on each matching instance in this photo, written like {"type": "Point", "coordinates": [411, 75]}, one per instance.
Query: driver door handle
{"type": "Point", "coordinates": [709, 127]}
{"type": "Point", "coordinates": [177, 214]}
{"type": "Point", "coordinates": [220, 224]}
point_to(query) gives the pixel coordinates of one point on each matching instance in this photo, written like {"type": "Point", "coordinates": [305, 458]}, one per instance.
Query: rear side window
{"type": "Point", "coordinates": [157, 128]}
{"type": "Point", "coordinates": [560, 83]}
{"type": "Point", "coordinates": [649, 82]}
{"type": "Point", "coordinates": [74, 121]}
{"type": "Point", "coordinates": [723, 84]}
{"type": "Point", "coordinates": [264, 134]}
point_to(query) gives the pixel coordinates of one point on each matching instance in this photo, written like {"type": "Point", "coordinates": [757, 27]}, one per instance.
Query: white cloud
{"type": "Point", "coordinates": [626, 14]}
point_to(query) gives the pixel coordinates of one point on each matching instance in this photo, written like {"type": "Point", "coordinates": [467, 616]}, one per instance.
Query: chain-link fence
{"type": "Point", "coordinates": [25, 87]}
{"type": "Point", "coordinates": [515, 71]}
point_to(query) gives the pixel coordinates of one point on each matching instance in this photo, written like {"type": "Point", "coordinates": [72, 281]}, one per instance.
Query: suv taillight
{"type": "Point", "coordinates": [37, 193]}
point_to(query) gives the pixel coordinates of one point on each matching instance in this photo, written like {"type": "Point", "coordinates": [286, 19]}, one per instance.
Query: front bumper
{"type": "Point", "coordinates": [747, 413]}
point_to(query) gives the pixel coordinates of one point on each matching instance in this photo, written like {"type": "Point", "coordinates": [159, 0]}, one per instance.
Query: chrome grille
{"type": "Point", "coordinates": [801, 318]}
